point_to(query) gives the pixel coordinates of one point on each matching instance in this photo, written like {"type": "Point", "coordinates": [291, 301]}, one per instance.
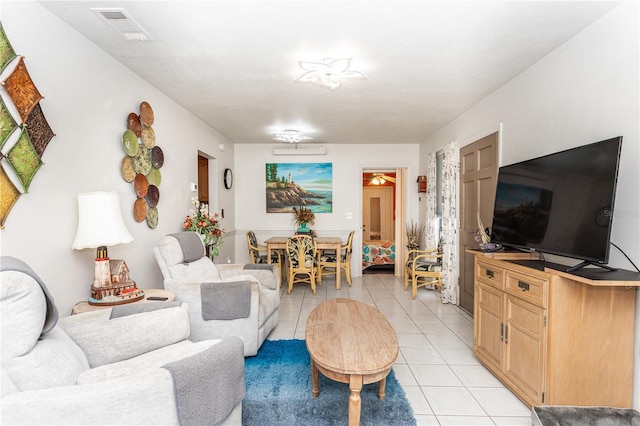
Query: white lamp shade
{"type": "Point", "coordinates": [100, 221]}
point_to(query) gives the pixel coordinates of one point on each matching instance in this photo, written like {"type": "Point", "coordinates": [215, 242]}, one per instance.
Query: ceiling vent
{"type": "Point", "coordinates": [123, 23]}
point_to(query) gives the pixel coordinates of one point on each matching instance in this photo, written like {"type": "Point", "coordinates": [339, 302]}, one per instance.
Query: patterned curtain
{"type": "Point", "coordinates": [431, 234]}
{"type": "Point", "coordinates": [450, 181]}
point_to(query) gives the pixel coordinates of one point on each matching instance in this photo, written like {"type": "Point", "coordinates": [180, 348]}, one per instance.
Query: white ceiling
{"type": "Point", "coordinates": [232, 63]}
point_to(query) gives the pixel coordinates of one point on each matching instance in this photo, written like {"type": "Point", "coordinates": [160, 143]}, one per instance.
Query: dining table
{"type": "Point", "coordinates": [322, 243]}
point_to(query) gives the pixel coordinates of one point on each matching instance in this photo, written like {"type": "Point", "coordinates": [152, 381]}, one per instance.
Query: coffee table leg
{"type": "Point", "coordinates": [355, 385]}
{"type": "Point", "coordinates": [315, 387]}
{"type": "Point", "coordinates": [381, 388]}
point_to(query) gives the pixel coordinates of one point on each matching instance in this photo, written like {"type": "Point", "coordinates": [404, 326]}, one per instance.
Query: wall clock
{"type": "Point", "coordinates": [228, 178]}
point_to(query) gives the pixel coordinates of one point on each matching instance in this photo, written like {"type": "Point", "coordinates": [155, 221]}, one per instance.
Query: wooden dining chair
{"type": "Point", "coordinates": [302, 261]}
{"type": "Point", "coordinates": [423, 267]}
{"type": "Point", "coordinates": [256, 256]}
{"type": "Point", "coordinates": [329, 260]}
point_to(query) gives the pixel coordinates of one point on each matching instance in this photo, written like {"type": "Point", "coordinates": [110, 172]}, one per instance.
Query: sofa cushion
{"type": "Point", "coordinates": [55, 361]}
{"type": "Point", "coordinates": [22, 301]}
{"type": "Point", "coordinates": [12, 264]}
{"type": "Point", "coordinates": [127, 336]}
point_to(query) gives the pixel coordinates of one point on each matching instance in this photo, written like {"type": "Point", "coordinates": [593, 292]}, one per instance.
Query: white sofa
{"type": "Point", "coordinates": [225, 299]}
{"type": "Point", "coordinates": [119, 366]}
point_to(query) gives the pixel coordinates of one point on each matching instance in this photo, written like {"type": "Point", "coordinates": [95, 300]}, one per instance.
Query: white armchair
{"type": "Point", "coordinates": [131, 364]}
{"type": "Point", "coordinates": [224, 300]}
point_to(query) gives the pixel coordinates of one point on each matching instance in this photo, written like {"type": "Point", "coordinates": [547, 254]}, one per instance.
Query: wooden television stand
{"type": "Point", "coordinates": [552, 337]}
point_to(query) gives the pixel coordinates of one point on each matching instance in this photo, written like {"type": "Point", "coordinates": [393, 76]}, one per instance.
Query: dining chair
{"type": "Point", "coordinates": [302, 261]}
{"type": "Point", "coordinates": [423, 267]}
{"type": "Point", "coordinates": [255, 255]}
{"type": "Point", "coordinates": [329, 260]}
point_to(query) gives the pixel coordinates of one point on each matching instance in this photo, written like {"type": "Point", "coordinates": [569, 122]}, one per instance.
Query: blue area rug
{"type": "Point", "coordinates": [278, 383]}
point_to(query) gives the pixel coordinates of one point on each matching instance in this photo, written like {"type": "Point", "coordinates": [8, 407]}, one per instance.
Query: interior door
{"type": "Point", "coordinates": [478, 173]}
{"type": "Point", "coordinates": [377, 208]}
{"type": "Point", "coordinates": [203, 179]}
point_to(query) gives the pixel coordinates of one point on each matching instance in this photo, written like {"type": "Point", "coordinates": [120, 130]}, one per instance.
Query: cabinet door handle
{"type": "Point", "coordinates": [506, 334]}
{"type": "Point", "coordinates": [501, 332]}
{"type": "Point", "coordinates": [523, 286]}
{"type": "Point", "coordinates": [489, 273]}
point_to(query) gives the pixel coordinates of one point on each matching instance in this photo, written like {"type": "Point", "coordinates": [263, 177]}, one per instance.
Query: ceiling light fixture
{"type": "Point", "coordinates": [328, 73]}
{"type": "Point", "coordinates": [290, 136]}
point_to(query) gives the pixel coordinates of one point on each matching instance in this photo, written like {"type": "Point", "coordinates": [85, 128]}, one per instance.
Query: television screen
{"type": "Point", "coordinates": [561, 203]}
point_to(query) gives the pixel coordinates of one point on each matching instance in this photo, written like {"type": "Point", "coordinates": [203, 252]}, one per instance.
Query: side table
{"type": "Point", "coordinates": [84, 306]}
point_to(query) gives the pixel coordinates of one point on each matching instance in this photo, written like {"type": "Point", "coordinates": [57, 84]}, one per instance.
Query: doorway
{"type": "Point", "coordinates": [478, 173]}
{"type": "Point", "coordinates": [203, 179]}
{"type": "Point", "coordinates": [207, 181]}
{"type": "Point", "coordinates": [382, 202]}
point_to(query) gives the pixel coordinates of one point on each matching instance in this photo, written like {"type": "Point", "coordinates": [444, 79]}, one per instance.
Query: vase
{"type": "Point", "coordinates": [303, 229]}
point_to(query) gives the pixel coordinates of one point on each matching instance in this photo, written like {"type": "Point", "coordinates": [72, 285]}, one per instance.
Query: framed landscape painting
{"type": "Point", "coordinates": [290, 185]}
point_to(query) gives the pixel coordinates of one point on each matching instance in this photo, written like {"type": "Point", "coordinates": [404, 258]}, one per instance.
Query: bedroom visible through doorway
{"type": "Point", "coordinates": [378, 222]}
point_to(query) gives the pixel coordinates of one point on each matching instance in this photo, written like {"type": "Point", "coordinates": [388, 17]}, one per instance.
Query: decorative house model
{"type": "Point", "coordinates": [121, 289]}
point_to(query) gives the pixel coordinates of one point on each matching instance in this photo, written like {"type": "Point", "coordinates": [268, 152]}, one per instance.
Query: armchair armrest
{"type": "Point", "coordinates": [204, 387]}
{"type": "Point", "coordinates": [145, 398]}
{"type": "Point", "coordinates": [127, 336]}
{"type": "Point", "coordinates": [266, 275]}
{"type": "Point", "coordinates": [201, 329]}
{"type": "Point", "coordinates": [417, 259]}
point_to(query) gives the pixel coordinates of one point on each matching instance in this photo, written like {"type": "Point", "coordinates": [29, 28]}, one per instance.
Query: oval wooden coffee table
{"type": "Point", "coordinates": [350, 342]}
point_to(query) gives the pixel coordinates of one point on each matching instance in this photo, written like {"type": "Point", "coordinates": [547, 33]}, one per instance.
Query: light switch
{"type": "Point", "coordinates": [349, 215]}
{"type": "Point", "coordinates": [193, 186]}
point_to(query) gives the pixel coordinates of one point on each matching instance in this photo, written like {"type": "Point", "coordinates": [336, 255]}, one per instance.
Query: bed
{"type": "Point", "coordinates": [377, 253]}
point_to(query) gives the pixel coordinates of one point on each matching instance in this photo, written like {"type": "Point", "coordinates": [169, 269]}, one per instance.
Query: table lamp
{"type": "Point", "coordinates": [100, 225]}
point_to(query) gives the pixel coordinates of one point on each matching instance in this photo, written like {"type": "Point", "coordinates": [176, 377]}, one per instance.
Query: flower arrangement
{"type": "Point", "coordinates": [208, 226]}
{"type": "Point", "coordinates": [303, 215]}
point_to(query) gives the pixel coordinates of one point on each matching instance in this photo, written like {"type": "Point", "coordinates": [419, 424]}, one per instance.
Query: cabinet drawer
{"type": "Point", "coordinates": [490, 274]}
{"type": "Point", "coordinates": [527, 287]}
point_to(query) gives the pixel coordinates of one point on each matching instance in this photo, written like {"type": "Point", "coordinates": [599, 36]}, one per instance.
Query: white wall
{"type": "Point", "coordinates": [585, 91]}
{"type": "Point", "coordinates": [348, 161]}
{"type": "Point", "coordinates": [87, 98]}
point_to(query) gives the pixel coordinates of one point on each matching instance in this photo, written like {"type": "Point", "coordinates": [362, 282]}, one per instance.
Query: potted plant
{"type": "Point", "coordinates": [301, 217]}
{"type": "Point", "coordinates": [415, 231]}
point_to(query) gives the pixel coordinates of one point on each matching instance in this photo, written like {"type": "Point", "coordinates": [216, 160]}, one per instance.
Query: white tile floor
{"type": "Point", "coordinates": [444, 382]}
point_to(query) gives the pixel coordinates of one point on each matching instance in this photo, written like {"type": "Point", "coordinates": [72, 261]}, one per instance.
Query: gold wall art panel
{"type": "Point", "coordinates": [9, 194]}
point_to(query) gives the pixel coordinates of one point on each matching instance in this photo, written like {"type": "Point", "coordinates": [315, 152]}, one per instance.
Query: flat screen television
{"type": "Point", "coordinates": [560, 203]}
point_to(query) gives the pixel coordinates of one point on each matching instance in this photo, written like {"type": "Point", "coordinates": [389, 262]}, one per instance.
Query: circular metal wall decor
{"type": "Point", "coordinates": [141, 164]}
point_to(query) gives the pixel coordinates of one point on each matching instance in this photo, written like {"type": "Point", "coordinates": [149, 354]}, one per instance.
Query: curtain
{"type": "Point", "coordinates": [431, 234]}
{"type": "Point", "coordinates": [401, 219]}
{"type": "Point", "coordinates": [450, 182]}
